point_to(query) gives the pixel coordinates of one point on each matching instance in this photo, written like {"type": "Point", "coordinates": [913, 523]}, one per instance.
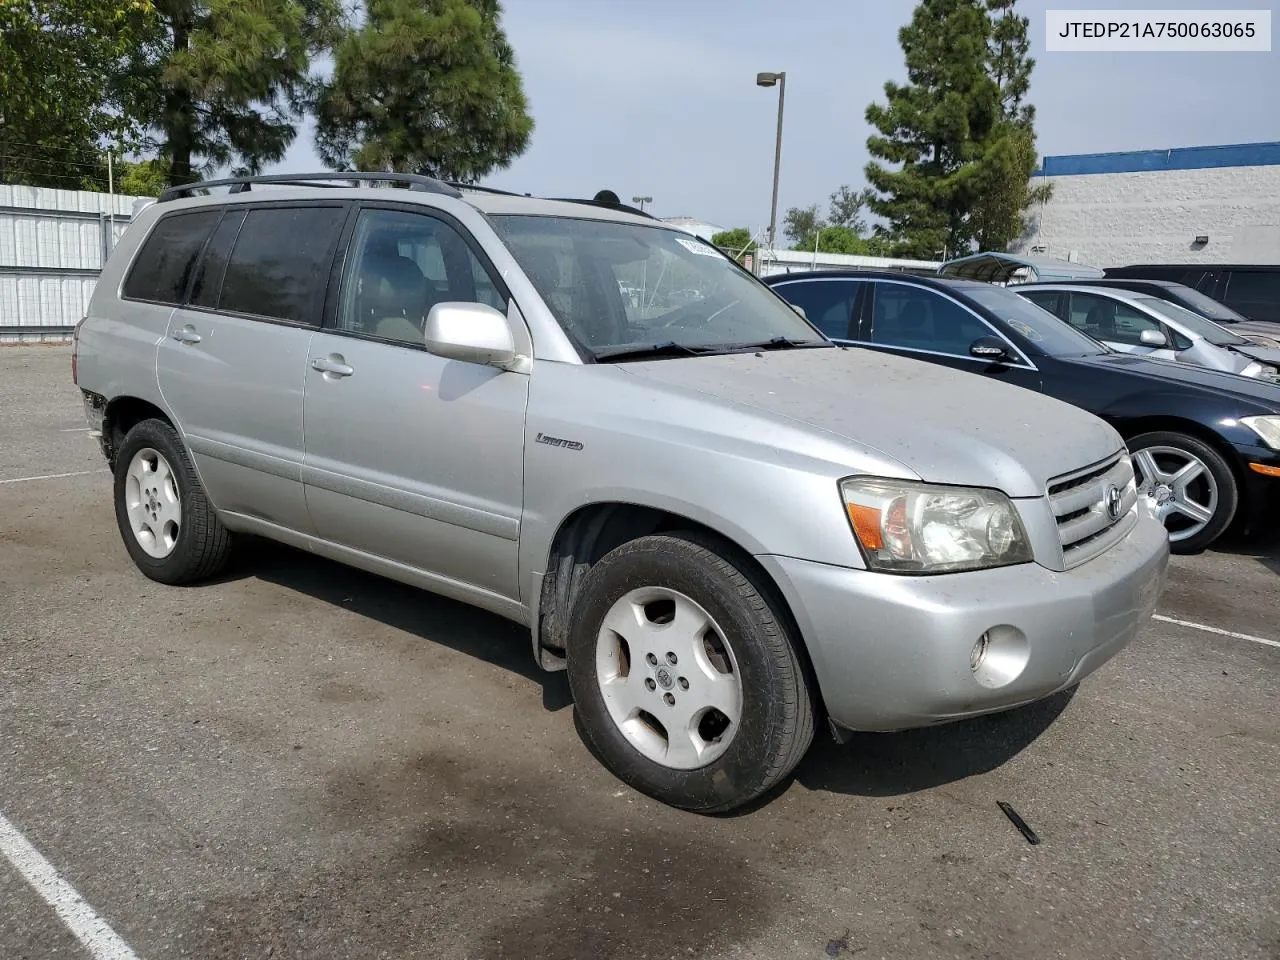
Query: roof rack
{"type": "Point", "coordinates": [475, 186]}
{"type": "Point", "coordinates": [411, 181]}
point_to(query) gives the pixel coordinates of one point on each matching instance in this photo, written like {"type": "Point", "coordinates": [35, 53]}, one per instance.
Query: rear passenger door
{"type": "Point", "coordinates": [410, 457]}
{"type": "Point", "coordinates": [231, 368]}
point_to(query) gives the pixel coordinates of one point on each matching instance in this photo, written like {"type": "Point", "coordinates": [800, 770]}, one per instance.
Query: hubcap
{"type": "Point", "coordinates": [669, 678]}
{"type": "Point", "coordinates": [152, 503]}
{"type": "Point", "coordinates": [1181, 488]}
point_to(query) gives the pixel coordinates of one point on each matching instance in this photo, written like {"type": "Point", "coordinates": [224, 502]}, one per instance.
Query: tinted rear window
{"type": "Point", "coordinates": [280, 263]}
{"type": "Point", "coordinates": [168, 257]}
{"type": "Point", "coordinates": [1254, 286]}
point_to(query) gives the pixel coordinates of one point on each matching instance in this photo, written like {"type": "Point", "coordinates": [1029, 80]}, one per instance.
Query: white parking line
{"type": "Point", "coordinates": [55, 476]}
{"type": "Point", "coordinates": [1223, 633]}
{"type": "Point", "coordinates": [94, 933]}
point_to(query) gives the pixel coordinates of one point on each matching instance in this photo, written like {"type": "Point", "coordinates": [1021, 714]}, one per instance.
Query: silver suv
{"type": "Point", "coordinates": [724, 526]}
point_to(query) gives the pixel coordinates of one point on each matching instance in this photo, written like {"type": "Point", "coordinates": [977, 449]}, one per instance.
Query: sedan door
{"type": "Point", "coordinates": [924, 324]}
{"type": "Point", "coordinates": [827, 303]}
{"type": "Point", "coordinates": [412, 458]}
{"type": "Point", "coordinates": [1120, 326]}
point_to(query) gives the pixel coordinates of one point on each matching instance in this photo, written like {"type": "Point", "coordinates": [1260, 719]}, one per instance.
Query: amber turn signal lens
{"type": "Point", "coordinates": [866, 524]}
{"type": "Point", "coordinates": [1255, 467]}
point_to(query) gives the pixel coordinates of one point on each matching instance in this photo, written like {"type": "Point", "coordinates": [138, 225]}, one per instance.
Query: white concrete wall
{"type": "Point", "coordinates": [1111, 219]}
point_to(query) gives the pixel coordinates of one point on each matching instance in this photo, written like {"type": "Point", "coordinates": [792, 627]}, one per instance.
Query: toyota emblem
{"type": "Point", "coordinates": [1112, 501]}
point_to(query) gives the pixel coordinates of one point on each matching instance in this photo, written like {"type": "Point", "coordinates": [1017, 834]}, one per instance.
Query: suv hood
{"type": "Point", "coordinates": [945, 425]}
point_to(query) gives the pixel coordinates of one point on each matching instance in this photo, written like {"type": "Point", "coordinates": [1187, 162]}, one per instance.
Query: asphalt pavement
{"type": "Point", "coordinates": [301, 760]}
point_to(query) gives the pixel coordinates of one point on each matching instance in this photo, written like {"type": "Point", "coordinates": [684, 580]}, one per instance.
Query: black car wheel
{"type": "Point", "coordinates": [1193, 488]}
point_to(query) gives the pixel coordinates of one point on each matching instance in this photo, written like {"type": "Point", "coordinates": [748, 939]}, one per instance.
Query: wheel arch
{"type": "Point", "coordinates": [121, 415]}
{"type": "Point", "coordinates": [592, 530]}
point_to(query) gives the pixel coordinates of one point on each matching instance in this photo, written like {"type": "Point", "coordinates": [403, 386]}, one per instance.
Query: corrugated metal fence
{"type": "Point", "coordinates": [52, 247]}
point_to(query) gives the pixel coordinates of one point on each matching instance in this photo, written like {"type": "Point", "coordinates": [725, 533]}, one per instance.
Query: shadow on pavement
{"type": "Point", "coordinates": [892, 764]}
{"type": "Point", "coordinates": [433, 618]}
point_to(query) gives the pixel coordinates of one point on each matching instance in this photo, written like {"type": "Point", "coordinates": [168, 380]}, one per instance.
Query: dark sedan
{"type": "Point", "coordinates": [1205, 445]}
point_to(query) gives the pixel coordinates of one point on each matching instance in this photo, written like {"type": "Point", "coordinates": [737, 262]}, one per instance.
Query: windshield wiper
{"type": "Point", "coordinates": [668, 348]}
{"type": "Point", "coordinates": [782, 343]}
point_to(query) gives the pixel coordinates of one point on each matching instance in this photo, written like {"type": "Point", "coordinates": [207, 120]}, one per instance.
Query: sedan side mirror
{"type": "Point", "coordinates": [991, 349]}
{"type": "Point", "coordinates": [1153, 338]}
{"type": "Point", "coordinates": [470, 332]}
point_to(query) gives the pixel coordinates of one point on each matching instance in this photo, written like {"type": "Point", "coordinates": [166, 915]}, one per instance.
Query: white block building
{"type": "Point", "coordinates": [1186, 205]}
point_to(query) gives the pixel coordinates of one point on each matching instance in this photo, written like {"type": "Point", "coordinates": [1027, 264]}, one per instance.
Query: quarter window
{"type": "Point", "coordinates": [168, 257]}
{"type": "Point", "coordinates": [280, 263]}
{"type": "Point", "coordinates": [828, 304]}
{"type": "Point", "coordinates": [400, 266]}
{"type": "Point", "coordinates": [920, 319]}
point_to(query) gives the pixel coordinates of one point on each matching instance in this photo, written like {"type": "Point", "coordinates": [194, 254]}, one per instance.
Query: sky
{"type": "Point", "coordinates": [658, 98]}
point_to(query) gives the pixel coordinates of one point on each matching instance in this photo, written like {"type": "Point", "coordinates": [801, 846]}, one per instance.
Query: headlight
{"type": "Point", "coordinates": [1268, 428]}
{"type": "Point", "coordinates": [907, 527]}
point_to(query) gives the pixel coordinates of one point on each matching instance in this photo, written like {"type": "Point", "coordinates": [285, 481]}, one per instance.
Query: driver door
{"type": "Point", "coordinates": [1118, 325]}
{"type": "Point", "coordinates": [922, 324]}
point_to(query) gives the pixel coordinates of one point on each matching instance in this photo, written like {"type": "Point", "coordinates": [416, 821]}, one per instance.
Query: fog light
{"type": "Point", "coordinates": [979, 652]}
{"type": "Point", "coordinates": [999, 656]}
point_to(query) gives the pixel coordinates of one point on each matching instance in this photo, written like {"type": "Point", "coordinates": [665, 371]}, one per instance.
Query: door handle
{"type": "Point", "coordinates": [332, 368]}
{"type": "Point", "coordinates": [186, 335]}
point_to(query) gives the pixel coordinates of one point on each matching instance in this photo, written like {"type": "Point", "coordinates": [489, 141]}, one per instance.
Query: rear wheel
{"type": "Point", "coordinates": [685, 678]}
{"type": "Point", "coordinates": [168, 524]}
{"type": "Point", "coordinates": [1191, 486]}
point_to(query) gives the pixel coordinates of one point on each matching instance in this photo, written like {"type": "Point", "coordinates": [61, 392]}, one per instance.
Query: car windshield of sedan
{"type": "Point", "coordinates": [1193, 322]}
{"type": "Point", "coordinates": [627, 291]}
{"type": "Point", "coordinates": [1051, 336]}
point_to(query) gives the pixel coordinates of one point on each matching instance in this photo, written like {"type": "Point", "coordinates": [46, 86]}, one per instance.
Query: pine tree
{"type": "Point", "coordinates": [425, 86]}
{"type": "Point", "coordinates": [934, 128]}
{"type": "Point", "coordinates": [1011, 62]}
{"type": "Point", "coordinates": [232, 79]}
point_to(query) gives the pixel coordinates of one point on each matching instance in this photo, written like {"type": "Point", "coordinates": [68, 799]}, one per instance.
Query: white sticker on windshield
{"type": "Point", "coordinates": [697, 246]}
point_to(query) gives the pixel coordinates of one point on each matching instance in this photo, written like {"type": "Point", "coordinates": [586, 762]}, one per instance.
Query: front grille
{"type": "Point", "coordinates": [1079, 502]}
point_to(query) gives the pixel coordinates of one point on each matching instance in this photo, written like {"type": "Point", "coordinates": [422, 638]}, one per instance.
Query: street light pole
{"type": "Point", "coordinates": [642, 201]}
{"type": "Point", "coordinates": [768, 80]}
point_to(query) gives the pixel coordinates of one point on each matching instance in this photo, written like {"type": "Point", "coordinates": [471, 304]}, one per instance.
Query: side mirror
{"type": "Point", "coordinates": [470, 332]}
{"type": "Point", "coordinates": [1153, 338]}
{"type": "Point", "coordinates": [991, 349]}
{"type": "Point", "coordinates": [800, 310]}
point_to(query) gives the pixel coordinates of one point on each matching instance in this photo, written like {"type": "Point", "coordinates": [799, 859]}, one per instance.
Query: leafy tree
{"type": "Point", "coordinates": [144, 178]}
{"type": "Point", "coordinates": [800, 222]}
{"type": "Point", "coordinates": [425, 86]}
{"type": "Point", "coordinates": [847, 209]}
{"type": "Point", "coordinates": [737, 242]}
{"type": "Point", "coordinates": [833, 238]}
{"type": "Point", "coordinates": [67, 87]}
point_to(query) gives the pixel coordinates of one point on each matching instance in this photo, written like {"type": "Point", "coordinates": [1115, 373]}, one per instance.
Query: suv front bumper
{"type": "Point", "coordinates": [894, 652]}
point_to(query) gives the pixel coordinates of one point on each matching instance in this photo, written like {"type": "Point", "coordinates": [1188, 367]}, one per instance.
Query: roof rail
{"type": "Point", "coordinates": [475, 186]}
{"type": "Point", "coordinates": [607, 206]}
{"type": "Point", "coordinates": [412, 181]}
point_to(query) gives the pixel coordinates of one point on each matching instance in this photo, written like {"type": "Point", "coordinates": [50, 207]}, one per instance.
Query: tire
{"type": "Point", "coordinates": [1215, 489]}
{"type": "Point", "coordinates": [168, 524]}
{"type": "Point", "coordinates": [713, 766]}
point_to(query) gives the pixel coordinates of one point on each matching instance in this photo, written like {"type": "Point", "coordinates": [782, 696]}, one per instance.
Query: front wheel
{"type": "Point", "coordinates": [1191, 486]}
{"type": "Point", "coordinates": [685, 678]}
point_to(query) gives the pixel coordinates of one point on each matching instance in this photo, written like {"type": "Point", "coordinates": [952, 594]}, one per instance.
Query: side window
{"type": "Point", "coordinates": [1254, 286]}
{"type": "Point", "coordinates": [280, 261]}
{"type": "Point", "coordinates": [402, 264]}
{"type": "Point", "coordinates": [920, 319]}
{"type": "Point", "coordinates": [208, 281]}
{"type": "Point", "coordinates": [167, 258]}
{"type": "Point", "coordinates": [1049, 300]}
{"type": "Point", "coordinates": [1106, 319]}
{"type": "Point", "coordinates": [827, 303]}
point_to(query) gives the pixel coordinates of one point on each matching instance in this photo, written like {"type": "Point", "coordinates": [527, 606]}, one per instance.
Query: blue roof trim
{"type": "Point", "coordinates": [1178, 158]}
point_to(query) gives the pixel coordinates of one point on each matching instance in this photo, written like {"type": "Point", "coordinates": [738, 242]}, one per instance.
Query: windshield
{"type": "Point", "coordinates": [1050, 335]}
{"type": "Point", "coordinates": [616, 286]}
{"type": "Point", "coordinates": [1192, 322]}
{"type": "Point", "coordinates": [1209, 307]}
